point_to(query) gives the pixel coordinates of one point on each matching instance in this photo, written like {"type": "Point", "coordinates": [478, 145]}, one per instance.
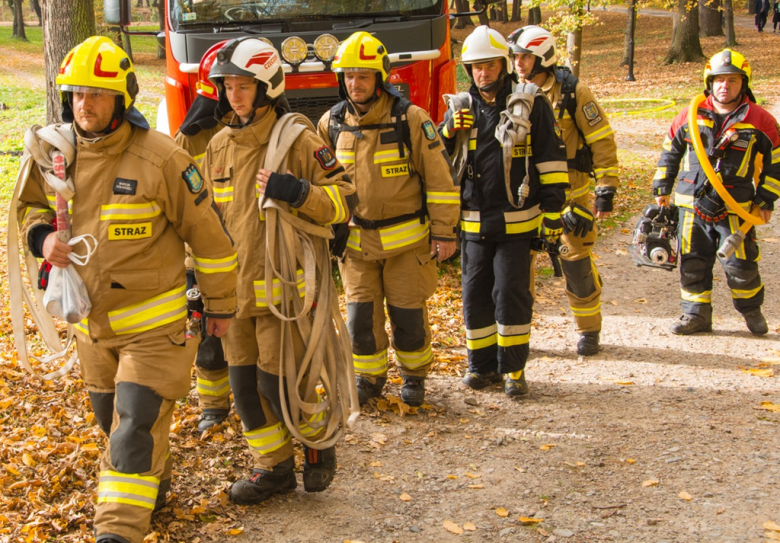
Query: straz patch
{"type": "Point", "coordinates": [518, 151]}
{"type": "Point", "coordinates": [590, 110]}
{"type": "Point", "coordinates": [125, 186]}
{"type": "Point", "coordinates": [430, 132]}
{"type": "Point", "coordinates": [193, 179]}
{"type": "Point", "coordinates": [395, 171]}
{"type": "Point", "coordinates": [325, 157]}
{"type": "Point", "coordinates": [130, 231]}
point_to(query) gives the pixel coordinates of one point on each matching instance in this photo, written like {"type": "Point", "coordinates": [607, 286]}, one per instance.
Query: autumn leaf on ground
{"type": "Point", "coordinates": [405, 497]}
{"type": "Point", "coordinates": [235, 531]}
{"type": "Point", "coordinates": [452, 527]}
{"type": "Point", "coordinates": [502, 512]}
{"type": "Point", "coordinates": [630, 461]}
{"type": "Point", "coordinates": [469, 527]}
{"type": "Point", "coordinates": [650, 482]}
{"type": "Point", "coordinates": [547, 446]}
{"type": "Point", "coordinates": [759, 372]}
{"type": "Point", "coordinates": [641, 301]}
{"type": "Point", "coordinates": [529, 521]}
{"type": "Point", "coordinates": [772, 526]}
{"type": "Point", "coordinates": [476, 487]}
{"type": "Point", "coordinates": [772, 536]}
{"type": "Point", "coordinates": [376, 464]}
{"type": "Point", "coordinates": [769, 406]}
{"type": "Point", "coordinates": [685, 496]}
{"type": "Point", "coordinates": [625, 383]}
{"type": "Point", "coordinates": [473, 475]}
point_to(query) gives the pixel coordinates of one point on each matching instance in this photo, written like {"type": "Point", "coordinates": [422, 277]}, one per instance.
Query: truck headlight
{"type": "Point", "coordinates": [294, 50]}
{"type": "Point", "coordinates": [325, 47]}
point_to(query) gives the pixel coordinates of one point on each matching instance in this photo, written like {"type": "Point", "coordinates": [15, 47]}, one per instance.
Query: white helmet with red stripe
{"type": "Point", "coordinates": [251, 57]}
{"type": "Point", "coordinates": [535, 40]}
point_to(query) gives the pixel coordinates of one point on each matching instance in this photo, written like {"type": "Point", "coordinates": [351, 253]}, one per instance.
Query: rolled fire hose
{"type": "Point", "coordinates": [750, 219]}
{"type": "Point", "coordinates": [320, 392]}
{"type": "Point", "coordinates": [52, 149]}
{"type": "Point", "coordinates": [513, 127]}
{"type": "Point", "coordinates": [456, 102]}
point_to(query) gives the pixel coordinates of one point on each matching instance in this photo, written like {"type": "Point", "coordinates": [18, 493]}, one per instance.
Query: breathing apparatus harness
{"type": "Point", "coordinates": [326, 372]}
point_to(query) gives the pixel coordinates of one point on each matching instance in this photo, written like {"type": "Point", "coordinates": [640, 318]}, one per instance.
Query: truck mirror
{"type": "Point", "coordinates": [117, 12]}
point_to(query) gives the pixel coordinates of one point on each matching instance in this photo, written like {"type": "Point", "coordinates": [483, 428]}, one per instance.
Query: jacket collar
{"type": "Point", "coordinates": [503, 91]}
{"type": "Point", "coordinates": [113, 144]}
{"type": "Point", "coordinates": [376, 112]}
{"type": "Point", "coordinates": [257, 133]}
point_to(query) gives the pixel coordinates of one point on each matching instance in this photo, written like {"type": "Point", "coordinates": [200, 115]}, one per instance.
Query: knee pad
{"type": "Point", "coordinates": [741, 276]}
{"type": "Point", "coordinates": [360, 322]}
{"type": "Point", "coordinates": [268, 384]}
{"type": "Point", "coordinates": [693, 270]}
{"type": "Point", "coordinates": [580, 279]}
{"type": "Point", "coordinates": [246, 398]}
{"type": "Point", "coordinates": [103, 407]}
{"type": "Point", "coordinates": [210, 354]}
{"type": "Point", "coordinates": [409, 333]}
{"type": "Point", "coordinates": [132, 443]}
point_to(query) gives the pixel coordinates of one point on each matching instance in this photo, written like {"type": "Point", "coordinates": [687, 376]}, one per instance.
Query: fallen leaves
{"type": "Point", "coordinates": [469, 527]}
{"type": "Point", "coordinates": [650, 482]}
{"type": "Point", "coordinates": [547, 446]}
{"type": "Point", "coordinates": [529, 521]}
{"type": "Point", "coordinates": [502, 512]}
{"type": "Point", "coordinates": [759, 372]}
{"type": "Point", "coordinates": [769, 406]}
{"type": "Point", "coordinates": [685, 496]}
{"type": "Point", "coordinates": [452, 527]}
{"type": "Point", "coordinates": [404, 497]}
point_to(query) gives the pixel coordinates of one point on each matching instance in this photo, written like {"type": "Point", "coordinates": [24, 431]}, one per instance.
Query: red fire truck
{"type": "Point", "coordinates": [306, 33]}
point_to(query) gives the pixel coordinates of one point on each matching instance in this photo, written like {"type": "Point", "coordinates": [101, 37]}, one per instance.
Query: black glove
{"type": "Point", "coordinates": [286, 187]}
{"type": "Point", "coordinates": [763, 204]}
{"type": "Point", "coordinates": [604, 197]}
{"type": "Point", "coordinates": [339, 242]}
{"type": "Point", "coordinates": [577, 220]}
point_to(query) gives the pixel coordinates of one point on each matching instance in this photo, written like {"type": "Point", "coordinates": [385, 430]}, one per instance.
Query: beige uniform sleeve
{"type": "Point", "coordinates": [189, 206]}
{"type": "Point", "coordinates": [331, 192]}
{"type": "Point", "coordinates": [431, 161]}
{"type": "Point", "coordinates": [322, 129]}
{"type": "Point", "coordinates": [592, 122]}
{"type": "Point", "coordinates": [33, 206]}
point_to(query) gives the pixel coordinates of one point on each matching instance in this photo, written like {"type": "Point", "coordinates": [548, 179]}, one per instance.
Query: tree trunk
{"type": "Point", "coordinates": [505, 11]}
{"type": "Point", "coordinates": [483, 18]}
{"type": "Point", "coordinates": [710, 18]}
{"type": "Point", "coordinates": [516, 10]}
{"type": "Point", "coordinates": [574, 48]}
{"type": "Point", "coordinates": [728, 15]}
{"type": "Point", "coordinates": [36, 6]}
{"type": "Point", "coordinates": [630, 20]}
{"type": "Point", "coordinates": [161, 18]}
{"type": "Point", "coordinates": [535, 16]}
{"type": "Point", "coordinates": [66, 23]}
{"type": "Point", "coordinates": [492, 13]}
{"type": "Point", "coordinates": [18, 29]}
{"type": "Point", "coordinates": [751, 7]}
{"type": "Point", "coordinates": [686, 46]}
{"type": "Point", "coordinates": [462, 6]}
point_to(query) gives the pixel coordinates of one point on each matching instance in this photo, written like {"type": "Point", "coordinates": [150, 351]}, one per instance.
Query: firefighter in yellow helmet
{"type": "Point", "coordinates": [142, 198]}
{"type": "Point", "coordinates": [735, 130]}
{"type": "Point", "coordinates": [405, 217]}
{"type": "Point", "coordinates": [591, 152]}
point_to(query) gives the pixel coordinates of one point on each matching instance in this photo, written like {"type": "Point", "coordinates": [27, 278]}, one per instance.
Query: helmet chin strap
{"type": "Point", "coordinates": [492, 87]}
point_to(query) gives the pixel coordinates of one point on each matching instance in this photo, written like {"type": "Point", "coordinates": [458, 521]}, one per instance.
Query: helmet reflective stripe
{"type": "Point", "coordinates": [485, 44]}
{"type": "Point", "coordinates": [534, 40]}
{"type": "Point", "coordinates": [204, 86]}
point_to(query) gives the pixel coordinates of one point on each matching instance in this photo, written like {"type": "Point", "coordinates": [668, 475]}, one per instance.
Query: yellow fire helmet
{"type": "Point", "coordinates": [362, 51]}
{"type": "Point", "coordinates": [97, 63]}
{"type": "Point", "coordinates": [727, 62]}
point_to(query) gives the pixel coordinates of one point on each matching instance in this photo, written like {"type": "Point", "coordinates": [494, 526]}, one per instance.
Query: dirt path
{"type": "Point", "coordinates": [581, 450]}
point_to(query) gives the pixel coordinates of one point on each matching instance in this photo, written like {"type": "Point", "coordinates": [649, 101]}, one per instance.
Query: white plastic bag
{"type": "Point", "coordinates": [66, 295]}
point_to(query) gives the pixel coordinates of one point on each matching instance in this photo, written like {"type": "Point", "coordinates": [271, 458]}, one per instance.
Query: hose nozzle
{"type": "Point", "coordinates": [731, 244]}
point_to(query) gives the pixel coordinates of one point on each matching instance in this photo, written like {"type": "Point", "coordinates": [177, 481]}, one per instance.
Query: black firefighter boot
{"type": "Point", "coordinates": [212, 417]}
{"type": "Point", "coordinates": [413, 391]}
{"type": "Point", "coordinates": [691, 324]}
{"type": "Point", "coordinates": [756, 322]}
{"type": "Point", "coordinates": [588, 344]}
{"type": "Point", "coordinates": [264, 483]}
{"type": "Point", "coordinates": [319, 467]}
{"type": "Point", "coordinates": [367, 390]}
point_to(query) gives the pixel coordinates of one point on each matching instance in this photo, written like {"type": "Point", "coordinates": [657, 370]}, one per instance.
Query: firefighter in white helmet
{"type": "Point", "coordinates": [405, 217]}
{"type": "Point", "coordinates": [250, 85]}
{"type": "Point", "coordinates": [502, 211]}
{"type": "Point", "coordinates": [142, 198]}
{"type": "Point", "coordinates": [591, 152]}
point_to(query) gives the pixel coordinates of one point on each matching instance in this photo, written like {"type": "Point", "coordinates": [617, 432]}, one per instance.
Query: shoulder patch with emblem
{"type": "Point", "coordinates": [430, 132]}
{"type": "Point", "coordinates": [557, 130]}
{"type": "Point", "coordinates": [590, 110]}
{"type": "Point", "coordinates": [193, 179]}
{"type": "Point", "coordinates": [325, 157]}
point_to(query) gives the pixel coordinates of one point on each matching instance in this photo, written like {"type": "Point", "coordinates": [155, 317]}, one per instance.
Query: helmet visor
{"type": "Point", "coordinates": [355, 69]}
{"type": "Point", "coordinates": [89, 90]}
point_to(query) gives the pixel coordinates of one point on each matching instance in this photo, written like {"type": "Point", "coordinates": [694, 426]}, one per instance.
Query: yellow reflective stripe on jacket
{"type": "Point", "coordinates": [660, 173]}
{"type": "Point", "coordinates": [734, 223]}
{"type": "Point", "coordinates": [314, 425]}
{"type": "Point", "coordinates": [345, 157]}
{"type": "Point", "coordinates": [602, 172]}
{"type": "Point", "coordinates": [747, 159]}
{"type": "Point", "coordinates": [372, 364]}
{"type": "Point", "coordinates": [554, 178]}
{"type": "Point", "coordinates": [392, 155]}
{"type": "Point", "coordinates": [481, 337]}
{"type": "Point", "coordinates": [403, 234]}
{"type": "Point", "coordinates": [743, 294]}
{"type": "Point", "coordinates": [553, 166]}
{"type": "Point", "coordinates": [510, 335]}
{"type": "Point", "coordinates": [112, 212]}
{"type": "Point", "coordinates": [335, 196]}
{"type": "Point", "coordinates": [578, 192]}
{"type": "Point", "coordinates": [473, 144]}
{"type": "Point", "coordinates": [775, 155]}
{"type": "Point", "coordinates": [267, 440]}
{"type": "Point", "coordinates": [82, 326]}
{"type": "Point", "coordinates": [700, 297]}
{"type": "Point", "coordinates": [163, 309]}
{"type": "Point", "coordinates": [353, 241]}
{"type": "Point", "coordinates": [216, 265]}
{"type": "Point", "coordinates": [599, 134]}
{"type": "Point", "coordinates": [276, 290]}
{"type": "Point", "coordinates": [520, 222]}
{"type": "Point", "coordinates": [442, 197]}
{"type": "Point", "coordinates": [772, 185]}
{"type": "Point", "coordinates": [469, 221]}
{"type": "Point", "coordinates": [219, 387]}
{"type": "Point", "coordinates": [199, 159]}
{"type": "Point", "coordinates": [128, 488]}
{"type": "Point", "coordinates": [414, 359]}
{"type": "Point", "coordinates": [667, 145]}
{"type": "Point", "coordinates": [52, 199]}
{"type": "Point", "coordinates": [708, 123]}
{"type": "Point", "coordinates": [223, 194]}
{"type": "Point", "coordinates": [586, 311]}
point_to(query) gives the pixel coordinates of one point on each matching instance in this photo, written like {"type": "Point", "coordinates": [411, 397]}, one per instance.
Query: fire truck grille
{"type": "Point", "coordinates": [313, 108]}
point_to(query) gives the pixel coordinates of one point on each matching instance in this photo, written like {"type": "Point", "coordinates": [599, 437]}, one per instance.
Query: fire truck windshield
{"type": "Point", "coordinates": [218, 12]}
